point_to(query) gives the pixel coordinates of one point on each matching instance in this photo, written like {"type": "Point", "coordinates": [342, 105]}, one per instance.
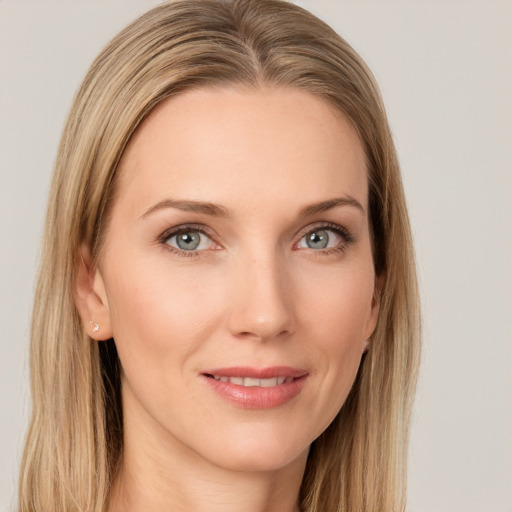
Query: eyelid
{"type": "Point", "coordinates": [341, 231]}
{"type": "Point", "coordinates": [201, 228]}
{"type": "Point", "coordinates": [186, 227]}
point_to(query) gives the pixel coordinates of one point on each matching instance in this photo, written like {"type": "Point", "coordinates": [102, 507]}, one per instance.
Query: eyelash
{"type": "Point", "coordinates": [166, 235]}
{"type": "Point", "coordinates": [347, 238]}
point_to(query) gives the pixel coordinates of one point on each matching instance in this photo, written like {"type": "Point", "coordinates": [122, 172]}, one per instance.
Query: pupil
{"type": "Point", "coordinates": [318, 240]}
{"type": "Point", "coordinates": [188, 241]}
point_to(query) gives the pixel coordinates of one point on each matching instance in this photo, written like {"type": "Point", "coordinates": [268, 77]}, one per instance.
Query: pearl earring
{"type": "Point", "coordinates": [96, 326]}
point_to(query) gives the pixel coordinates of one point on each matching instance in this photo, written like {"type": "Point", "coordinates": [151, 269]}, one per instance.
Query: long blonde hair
{"type": "Point", "coordinates": [75, 440]}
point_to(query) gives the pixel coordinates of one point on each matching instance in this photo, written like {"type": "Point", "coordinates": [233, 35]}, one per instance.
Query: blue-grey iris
{"type": "Point", "coordinates": [188, 240]}
{"type": "Point", "coordinates": [317, 239]}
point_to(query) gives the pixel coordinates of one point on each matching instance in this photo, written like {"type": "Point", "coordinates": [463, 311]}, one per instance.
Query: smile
{"type": "Point", "coordinates": [253, 382]}
{"type": "Point", "coordinates": [253, 388]}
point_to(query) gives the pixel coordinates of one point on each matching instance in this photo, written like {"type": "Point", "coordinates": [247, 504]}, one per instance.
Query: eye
{"type": "Point", "coordinates": [189, 239]}
{"type": "Point", "coordinates": [322, 238]}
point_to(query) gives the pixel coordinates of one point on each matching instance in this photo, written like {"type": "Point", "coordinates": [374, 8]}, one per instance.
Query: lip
{"type": "Point", "coordinates": [257, 397]}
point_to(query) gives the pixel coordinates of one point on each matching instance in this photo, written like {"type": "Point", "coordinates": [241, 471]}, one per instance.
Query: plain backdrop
{"type": "Point", "coordinates": [445, 69]}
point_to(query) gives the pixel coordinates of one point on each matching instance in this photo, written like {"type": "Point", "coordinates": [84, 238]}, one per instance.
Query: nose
{"type": "Point", "coordinates": [261, 301]}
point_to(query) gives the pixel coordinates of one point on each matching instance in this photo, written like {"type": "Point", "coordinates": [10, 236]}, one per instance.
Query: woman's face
{"type": "Point", "coordinates": [237, 276]}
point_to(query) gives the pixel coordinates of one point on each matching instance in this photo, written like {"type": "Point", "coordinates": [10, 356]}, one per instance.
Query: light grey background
{"type": "Point", "coordinates": [445, 69]}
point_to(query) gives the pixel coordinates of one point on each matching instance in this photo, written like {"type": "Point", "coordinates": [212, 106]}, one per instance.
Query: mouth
{"type": "Point", "coordinates": [249, 382]}
{"type": "Point", "coordinates": [253, 388]}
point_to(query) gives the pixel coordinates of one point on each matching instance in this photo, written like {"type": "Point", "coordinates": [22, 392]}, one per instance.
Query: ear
{"type": "Point", "coordinates": [374, 311]}
{"type": "Point", "coordinates": [91, 298]}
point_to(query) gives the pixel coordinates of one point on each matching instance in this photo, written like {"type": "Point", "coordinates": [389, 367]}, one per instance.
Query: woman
{"type": "Point", "coordinates": [226, 314]}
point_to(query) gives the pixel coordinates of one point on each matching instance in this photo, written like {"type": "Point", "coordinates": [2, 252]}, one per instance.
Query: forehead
{"type": "Point", "coordinates": [251, 144]}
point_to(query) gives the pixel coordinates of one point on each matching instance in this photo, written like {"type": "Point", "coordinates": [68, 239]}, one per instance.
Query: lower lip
{"type": "Point", "coordinates": [257, 397]}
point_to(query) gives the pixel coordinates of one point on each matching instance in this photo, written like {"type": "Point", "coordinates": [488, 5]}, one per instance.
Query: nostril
{"type": "Point", "coordinates": [263, 334]}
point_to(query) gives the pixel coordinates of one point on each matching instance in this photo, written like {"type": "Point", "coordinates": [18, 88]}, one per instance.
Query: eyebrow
{"type": "Point", "coordinates": [188, 206]}
{"type": "Point", "coordinates": [324, 206]}
{"type": "Point", "coordinates": [215, 210]}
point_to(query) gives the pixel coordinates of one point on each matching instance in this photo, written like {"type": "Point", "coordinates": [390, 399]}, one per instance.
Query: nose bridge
{"type": "Point", "coordinates": [261, 306]}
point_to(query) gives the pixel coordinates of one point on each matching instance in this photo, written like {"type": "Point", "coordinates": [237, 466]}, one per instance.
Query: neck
{"type": "Point", "coordinates": [160, 473]}
{"type": "Point", "coordinates": [134, 492]}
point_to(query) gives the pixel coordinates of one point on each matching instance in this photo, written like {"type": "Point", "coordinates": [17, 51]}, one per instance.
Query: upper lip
{"type": "Point", "coordinates": [257, 373]}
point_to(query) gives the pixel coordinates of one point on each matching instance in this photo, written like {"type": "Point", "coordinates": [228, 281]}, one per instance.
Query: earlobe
{"type": "Point", "coordinates": [91, 298]}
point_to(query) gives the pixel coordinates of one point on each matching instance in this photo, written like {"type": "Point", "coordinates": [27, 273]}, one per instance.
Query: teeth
{"type": "Point", "coordinates": [268, 383]}
{"type": "Point", "coordinates": [251, 382]}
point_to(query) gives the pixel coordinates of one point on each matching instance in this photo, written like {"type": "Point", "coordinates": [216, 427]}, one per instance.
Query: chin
{"type": "Point", "coordinates": [259, 461]}
{"type": "Point", "coordinates": [257, 451]}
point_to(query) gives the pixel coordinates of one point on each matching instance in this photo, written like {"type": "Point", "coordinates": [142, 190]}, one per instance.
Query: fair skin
{"type": "Point", "coordinates": [269, 270]}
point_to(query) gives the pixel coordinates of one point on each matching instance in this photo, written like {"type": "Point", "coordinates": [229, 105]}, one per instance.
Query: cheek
{"type": "Point", "coordinates": [159, 317]}
{"type": "Point", "coordinates": [339, 304]}
{"type": "Point", "coordinates": [335, 316]}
